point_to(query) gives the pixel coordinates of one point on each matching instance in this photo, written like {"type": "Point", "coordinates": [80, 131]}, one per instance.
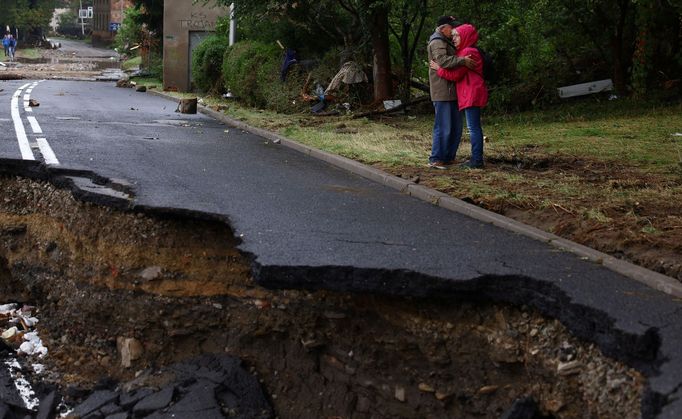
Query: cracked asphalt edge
{"type": "Point", "coordinates": [646, 276]}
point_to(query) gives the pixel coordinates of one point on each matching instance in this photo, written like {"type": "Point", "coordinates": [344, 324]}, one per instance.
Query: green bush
{"type": "Point", "coordinates": [207, 61]}
{"type": "Point", "coordinates": [130, 33]}
{"type": "Point", "coordinates": [251, 71]}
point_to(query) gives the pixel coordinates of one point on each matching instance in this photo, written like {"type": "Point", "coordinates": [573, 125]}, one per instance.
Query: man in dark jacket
{"type": "Point", "coordinates": [447, 126]}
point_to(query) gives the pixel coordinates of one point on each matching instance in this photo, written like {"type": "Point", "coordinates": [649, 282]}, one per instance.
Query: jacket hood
{"type": "Point", "coordinates": [467, 36]}
{"type": "Point", "coordinates": [437, 35]}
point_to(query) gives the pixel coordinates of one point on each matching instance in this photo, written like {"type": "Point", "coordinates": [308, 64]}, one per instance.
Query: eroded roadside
{"type": "Point", "coordinates": [180, 288]}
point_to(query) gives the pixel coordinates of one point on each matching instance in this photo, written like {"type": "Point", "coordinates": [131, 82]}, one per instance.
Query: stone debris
{"type": "Point", "coordinates": [130, 350]}
{"type": "Point", "coordinates": [33, 103]}
{"type": "Point", "coordinates": [19, 334]}
{"type": "Point", "coordinates": [400, 393]}
{"type": "Point", "coordinates": [206, 387]}
{"type": "Point", "coordinates": [569, 368]}
{"type": "Point", "coordinates": [426, 388]}
{"type": "Point", "coordinates": [488, 389]}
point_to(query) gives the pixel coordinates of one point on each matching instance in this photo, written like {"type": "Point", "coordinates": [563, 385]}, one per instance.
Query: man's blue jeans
{"type": "Point", "coordinates": [475, 134]}
{"type": "Point", "coordinates": [447, 131]}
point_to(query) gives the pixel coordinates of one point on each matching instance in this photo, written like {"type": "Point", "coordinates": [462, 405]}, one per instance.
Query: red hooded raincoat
{"type": "Point", "coordinates": [471, 90]}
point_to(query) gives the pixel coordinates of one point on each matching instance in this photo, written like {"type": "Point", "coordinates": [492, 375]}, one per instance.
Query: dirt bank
{"type": "Point", "coordinates": [180, 288]}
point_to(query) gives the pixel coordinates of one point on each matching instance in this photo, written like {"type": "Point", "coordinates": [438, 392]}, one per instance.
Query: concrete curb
{"type": "Point", "coordinates": [648, 277]}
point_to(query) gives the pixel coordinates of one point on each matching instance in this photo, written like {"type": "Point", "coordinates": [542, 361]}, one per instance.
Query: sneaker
{"type": "Point", "coordinates": [470, 165]}
{"type": "Point", "coordinates": [437, 165]}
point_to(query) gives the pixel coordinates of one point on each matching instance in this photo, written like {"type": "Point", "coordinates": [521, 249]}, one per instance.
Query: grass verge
{"type": "Point", "coordinates": [605, 174]}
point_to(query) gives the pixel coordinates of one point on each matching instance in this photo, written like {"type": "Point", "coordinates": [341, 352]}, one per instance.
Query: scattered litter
{"type": "Point", "coordinates": [277, 141]}
{"type": "Point", "coordinates": [33, 103]}
{"type": "Point", "coordinates": [677, 134]}
{"type": "Point", "coordinates": [21, 336]}
{"type": "Point", "coordinates": [392, 104]}
{"type": "Point", "coordinates": [134, 109]}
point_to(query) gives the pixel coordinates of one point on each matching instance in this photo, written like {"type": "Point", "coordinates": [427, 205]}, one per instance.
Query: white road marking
{"type": "Point", "coordinates": [34, 125]}
{"type": "Point", "coordinates": [24, 147]}
{"type": "Point", "coordinates": [27, 108]}
{"type": "Point", "coordinates": [47, 152]}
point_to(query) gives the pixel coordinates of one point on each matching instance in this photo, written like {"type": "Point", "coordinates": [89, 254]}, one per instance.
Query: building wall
{"type": "Point", "coordinates": [106, 12]}
{"type": "Point", "coordinates": [182, 18]}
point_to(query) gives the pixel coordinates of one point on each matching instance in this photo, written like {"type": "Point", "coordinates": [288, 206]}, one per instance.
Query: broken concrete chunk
{"type": "Point", "coordinates": [488, 389]}
{"type": "Point", "coordinates": [569, 368]}
{"type": "Point", "coordinates": [151, 273]}
{"type": "Point", "coordinates": [155, 401]}
{"type": "Point", "coordinates": [130, 350]}
{"type": "Point", "coordinates": [9, 333]}
{"type": "Point", "coordinates": [400, 394]}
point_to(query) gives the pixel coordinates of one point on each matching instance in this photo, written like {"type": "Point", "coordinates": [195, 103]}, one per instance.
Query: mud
{"type": "Point", "coordinates": [614, 208]}
{"type": "Point", "coordinates": [180, 287]}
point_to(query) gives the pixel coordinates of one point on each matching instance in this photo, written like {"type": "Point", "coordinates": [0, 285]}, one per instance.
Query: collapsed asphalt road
{"type": "Point", "coordinates": [311, 226]}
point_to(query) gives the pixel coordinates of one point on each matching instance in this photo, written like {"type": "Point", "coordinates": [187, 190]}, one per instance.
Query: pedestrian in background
{"type": "Point", "coordinates": [472, 93]}
{"type": "Point", "coordinates": [12, 46]}
{"type": "Point", "coordinates": [5, 44]}
{"type": "Point", "coordinates": [447, 126]}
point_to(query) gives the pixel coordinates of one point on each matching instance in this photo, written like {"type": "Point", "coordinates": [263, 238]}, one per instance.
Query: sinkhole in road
{"type": "Point", "coordinates": [178, 287]}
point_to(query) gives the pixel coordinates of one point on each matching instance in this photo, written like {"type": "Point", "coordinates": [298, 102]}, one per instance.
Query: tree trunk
{"type": "Point", "coordinates": [617, 49]}
{"type": "Point", "coordinates": [383, 84]}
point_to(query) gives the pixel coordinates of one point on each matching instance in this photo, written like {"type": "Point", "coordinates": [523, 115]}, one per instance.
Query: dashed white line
{"type": "Point", "coordinates": [47, 152]}
{"type": "Point", "coordinates": [24, 147]}
{"type": "Point", "coordinates": [34, 125]}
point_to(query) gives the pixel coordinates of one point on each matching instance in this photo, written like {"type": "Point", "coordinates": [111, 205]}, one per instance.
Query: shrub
{"type": "Point", "coordinates": [207, 61]}
{"type": "Point", "coordinates": [251, 71]}
{"type": "Point", "coordinates": [130, 33]}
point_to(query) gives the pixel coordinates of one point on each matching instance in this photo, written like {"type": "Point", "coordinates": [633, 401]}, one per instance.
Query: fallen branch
{"type": "Point", "coordinates": [396, 109]}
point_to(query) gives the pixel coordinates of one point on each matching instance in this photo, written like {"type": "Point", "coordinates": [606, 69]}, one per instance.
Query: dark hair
{"type": "Point", "coordinates": [447, 20]}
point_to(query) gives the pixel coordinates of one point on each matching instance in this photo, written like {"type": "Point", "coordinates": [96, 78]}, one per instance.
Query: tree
{"type": "Point", "coordinates": [30, 17]}
{"type": "Point", "coordinates": [407, 24]}
{"type": "Point", "coordinates": [373, 16]}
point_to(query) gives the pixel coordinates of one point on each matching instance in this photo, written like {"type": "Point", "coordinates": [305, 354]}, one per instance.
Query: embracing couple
{"type": "Point", "coordinates": [457, 87]}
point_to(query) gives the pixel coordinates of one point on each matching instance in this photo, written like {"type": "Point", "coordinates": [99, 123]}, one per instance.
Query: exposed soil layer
{"type": "Point", "coordinates": [578, 199]}
{"type": "Point", "coordinates": [180, 288]}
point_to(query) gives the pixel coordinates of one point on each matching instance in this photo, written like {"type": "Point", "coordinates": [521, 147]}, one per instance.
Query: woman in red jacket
{"type": "Point", "coordinates": [472, 94]}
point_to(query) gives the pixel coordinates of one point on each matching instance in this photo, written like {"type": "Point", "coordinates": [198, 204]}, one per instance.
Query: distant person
{"type": "Point", "coordinates": [447, 125]}
{"type": "Point", "coordinates": [472, 94]}
{"type": "Point", "coordinates": [12, 46]}
{"type": "Point", "coordinates": [5, 43]}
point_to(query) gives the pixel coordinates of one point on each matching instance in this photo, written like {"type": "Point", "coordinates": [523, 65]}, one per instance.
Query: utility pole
{"type": "Point", "coordinates": [233, 26]}
{"type": "Point", "coordinates": [82, 18]}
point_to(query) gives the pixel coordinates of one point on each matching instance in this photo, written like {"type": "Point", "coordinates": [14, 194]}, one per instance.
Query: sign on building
{"type": "Point", "coordinates": [85, 13]}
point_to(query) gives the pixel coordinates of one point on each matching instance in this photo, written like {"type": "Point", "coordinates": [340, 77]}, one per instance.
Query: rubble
{"type": "Point", "coordinates": [317, 354]}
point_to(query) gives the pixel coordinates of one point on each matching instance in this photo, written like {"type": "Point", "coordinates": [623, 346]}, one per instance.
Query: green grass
{"type": "Point", "coordinates": [131, 63]}
{"type": "Point", "coordinates": [621, 131]}
{"type": "Point", "coordinates": [30, 53]}
{"type": "Point", "coordinates": [630, 132]}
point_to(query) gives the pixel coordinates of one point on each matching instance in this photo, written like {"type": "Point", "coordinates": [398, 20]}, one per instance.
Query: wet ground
{"type": "Point", "coordinates": [124, 298]}
{"type": "Point", "coordinates": [72, 60]}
